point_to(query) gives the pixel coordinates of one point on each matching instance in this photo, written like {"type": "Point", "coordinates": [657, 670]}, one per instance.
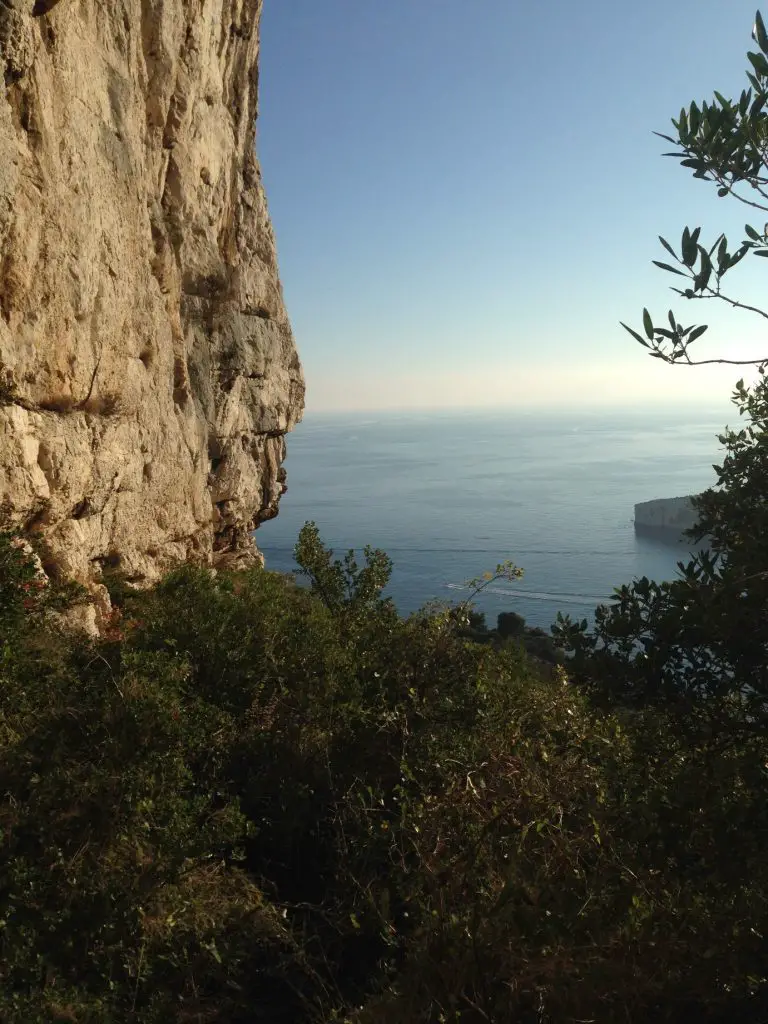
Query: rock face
{"type": "Point", "coordinates": [148, 372]}
{"type": "Point", "coordinates": [673, 515]}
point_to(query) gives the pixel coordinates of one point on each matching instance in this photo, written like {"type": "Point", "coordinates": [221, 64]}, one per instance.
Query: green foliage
{"type": "Point", "coordinates": [724, 142]}
{"type": "Point", "coordinates": [258, 803]}
{"type": "Point", "coordinates": [21, 586]}
{"type": "Point", "coordinates": [121, 894]}
{"type": "Point", "coordinates": [27, 593]}
{"type": "Point", "coordinates": [118, 586]}
{"type": "Point", "coordinates": [511, 631]}
{"type": "Point", "coordinates": [683, 664]}
{"type": "Point", "coordinates": [342, 585]}
{"type": "Point", "coordinates": [7, 387]}
{"type": "Point", "coordinates": [699, 641]}
{"type": "Point", "coordinates": [510, 624]}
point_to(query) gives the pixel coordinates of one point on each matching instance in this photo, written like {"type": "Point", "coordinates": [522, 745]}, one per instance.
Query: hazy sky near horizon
{"type": "Point", "coordinates": [467, 197]}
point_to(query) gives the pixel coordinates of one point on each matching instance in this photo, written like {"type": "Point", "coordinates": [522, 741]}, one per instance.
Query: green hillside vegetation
{"type": "Point", "coordinates": [511, 630]}
{"type": "Point", "coordinates": [253, 801]}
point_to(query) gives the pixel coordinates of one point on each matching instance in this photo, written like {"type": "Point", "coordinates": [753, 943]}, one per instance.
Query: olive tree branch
{"type": "Point", "coordinates": [716, 294]}
{"type": "Point", "coordinates": [704, 362]}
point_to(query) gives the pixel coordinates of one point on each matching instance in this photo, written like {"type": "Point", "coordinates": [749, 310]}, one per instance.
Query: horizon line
{"type": "Point", "coordinates": [556, 408]}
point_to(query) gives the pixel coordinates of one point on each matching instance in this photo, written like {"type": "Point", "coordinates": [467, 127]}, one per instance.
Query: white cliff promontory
{"type": "Point", "coordinates": [669, 514]}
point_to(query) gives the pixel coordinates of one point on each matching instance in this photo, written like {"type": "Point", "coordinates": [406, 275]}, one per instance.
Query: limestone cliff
{"type": "Point", "coordinates": [673, 515]}
{"type": "Point", "coordinates": [148, 372]}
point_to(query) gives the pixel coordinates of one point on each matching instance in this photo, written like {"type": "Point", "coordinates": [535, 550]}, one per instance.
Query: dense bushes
{"type": "Point", "coordinates": [255, 801]}
{"type": "Point", "coordinates": [511, 631]}
{"type": "Point", "coordinates": [697, 644]}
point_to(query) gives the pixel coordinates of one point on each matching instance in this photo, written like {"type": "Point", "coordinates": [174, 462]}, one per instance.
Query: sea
{"type": "Point", "coordinates": [449, 495]}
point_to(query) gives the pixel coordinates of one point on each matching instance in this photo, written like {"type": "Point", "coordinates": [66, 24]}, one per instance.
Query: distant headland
{"type": "Point", "coordinates": [665, 516]}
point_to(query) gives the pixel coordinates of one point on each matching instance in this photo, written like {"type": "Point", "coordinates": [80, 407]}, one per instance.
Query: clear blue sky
{"type": "Point", "coordinates": [467, 196]}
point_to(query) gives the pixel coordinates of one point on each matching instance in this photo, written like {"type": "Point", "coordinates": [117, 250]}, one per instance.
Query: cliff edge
{"type": "Point", "coordinates": [148, 372]}
{"type": "Point", "coordinates": [673, 515]}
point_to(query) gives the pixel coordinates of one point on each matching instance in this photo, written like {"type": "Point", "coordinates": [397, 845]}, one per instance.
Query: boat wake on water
{"type": "Point", "coordinates": [534, 595]}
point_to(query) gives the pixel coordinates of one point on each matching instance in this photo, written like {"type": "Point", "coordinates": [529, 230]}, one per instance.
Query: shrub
{"type": "Point", "coordinates": [265, 803]}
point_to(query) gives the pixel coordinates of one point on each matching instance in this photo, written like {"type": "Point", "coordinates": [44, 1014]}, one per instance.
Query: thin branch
{"type": "Point", "coordinates": [762, 192]}
{"type": "Point", "coordinates": [705, 362]}
{"type": "Point", "coordinates": [747, 202]}
{"type": "Point", "coordinates": [731, 302]}
{"type": "Point", "coordinates": [100, 657]}
{"type": "Point", "coordinates": [474, 1005]}
{"type": "Point", "coordinates": [715, 294]}
{"type": "Point", "coordinates": [81, 405]}
{"type": "Point", "coordinates": [138, 978]}
{"type": "Point", "coordinates": [719, 180]}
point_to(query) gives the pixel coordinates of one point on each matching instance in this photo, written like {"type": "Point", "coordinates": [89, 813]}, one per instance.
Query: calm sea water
{"type": "Point", "coordinates": [448, 496]}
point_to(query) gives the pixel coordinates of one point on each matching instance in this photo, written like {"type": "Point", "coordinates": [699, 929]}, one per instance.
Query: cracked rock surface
{"type": "Point", "coordinates": [148, 373]}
